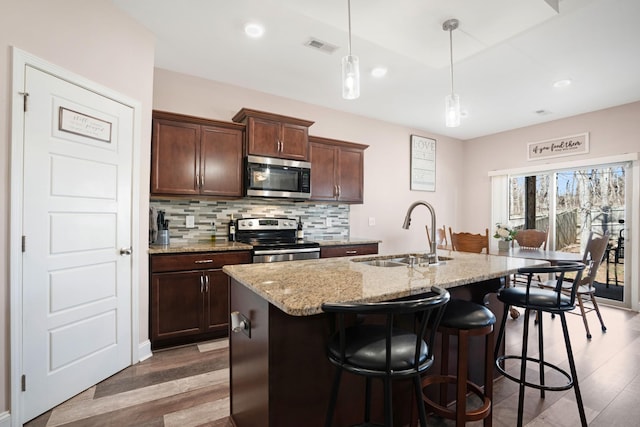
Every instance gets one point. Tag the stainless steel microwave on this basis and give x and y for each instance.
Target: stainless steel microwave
(272, 177)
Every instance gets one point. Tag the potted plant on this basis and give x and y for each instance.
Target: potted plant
(506, 234)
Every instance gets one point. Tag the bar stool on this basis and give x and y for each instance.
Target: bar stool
(384, 351)
(464, 319)
(553, 301)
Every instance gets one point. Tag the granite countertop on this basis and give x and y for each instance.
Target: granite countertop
(299, 288)
(350, 241)
(204, 246)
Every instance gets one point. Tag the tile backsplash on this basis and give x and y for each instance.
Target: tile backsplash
(205, 212)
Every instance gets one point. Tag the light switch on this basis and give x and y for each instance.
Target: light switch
(190, 221)
(372, 221)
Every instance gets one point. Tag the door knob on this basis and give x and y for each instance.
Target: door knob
(125, 251)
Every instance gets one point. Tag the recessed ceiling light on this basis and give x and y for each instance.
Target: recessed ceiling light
(254, 30)
(562, 83)
(379, 72)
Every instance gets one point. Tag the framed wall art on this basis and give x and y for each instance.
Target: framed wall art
(423, 163)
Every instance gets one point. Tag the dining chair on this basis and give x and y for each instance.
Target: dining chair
(532, 239)
(469, 242)
(441, 237)
(592, 257)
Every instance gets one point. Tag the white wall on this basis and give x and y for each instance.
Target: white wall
(612, 131)
(94, 40)
(387, 195)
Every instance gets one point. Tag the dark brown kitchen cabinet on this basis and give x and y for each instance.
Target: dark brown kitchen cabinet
(192, 156)
(273, 135)
(189, 296)
(337, 170)
(348, 250)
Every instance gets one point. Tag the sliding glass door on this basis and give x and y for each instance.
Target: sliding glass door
(571, 203)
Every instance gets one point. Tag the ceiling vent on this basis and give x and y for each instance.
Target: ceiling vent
(320, 45)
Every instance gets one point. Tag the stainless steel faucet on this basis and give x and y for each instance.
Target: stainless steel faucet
(432, 256)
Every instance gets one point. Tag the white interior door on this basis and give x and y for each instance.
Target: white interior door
(76, 282)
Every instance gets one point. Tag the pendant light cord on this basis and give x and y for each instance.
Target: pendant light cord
(451, 56)
(349, 15)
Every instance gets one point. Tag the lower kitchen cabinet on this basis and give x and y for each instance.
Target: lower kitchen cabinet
(189, 296)
(348, 250)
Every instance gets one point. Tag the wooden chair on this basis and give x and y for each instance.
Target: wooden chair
(441, 238)
(592, 257)
(468, 242)
(532, 239)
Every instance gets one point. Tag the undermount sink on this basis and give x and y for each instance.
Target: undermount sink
(383, 263)
(402, 261)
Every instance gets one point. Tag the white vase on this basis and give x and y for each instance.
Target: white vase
(503, 245)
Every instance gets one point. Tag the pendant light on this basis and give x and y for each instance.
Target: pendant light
(452, 102)
(350, 69)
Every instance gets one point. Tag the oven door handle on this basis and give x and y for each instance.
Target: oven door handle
(285, 251)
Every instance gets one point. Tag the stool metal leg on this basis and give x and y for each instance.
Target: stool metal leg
(388, 406)
(541, 352)
(523, 365)
(574, 374)
(367, 400)
(334, 397)
(422, 413)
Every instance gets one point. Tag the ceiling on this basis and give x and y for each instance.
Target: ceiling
(507, 55)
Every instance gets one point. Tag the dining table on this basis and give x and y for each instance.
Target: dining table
(553, 257)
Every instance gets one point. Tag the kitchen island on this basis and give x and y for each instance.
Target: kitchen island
(280, 375)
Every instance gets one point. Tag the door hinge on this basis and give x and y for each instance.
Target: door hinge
(24, 382)
(24, 243)
(25, 95)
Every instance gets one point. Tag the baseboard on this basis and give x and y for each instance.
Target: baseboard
(144, 351)
(5, 419)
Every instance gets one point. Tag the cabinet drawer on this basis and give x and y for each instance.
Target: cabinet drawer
(348, 250)
(198, 261)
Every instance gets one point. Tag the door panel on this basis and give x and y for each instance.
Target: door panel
(76, 286)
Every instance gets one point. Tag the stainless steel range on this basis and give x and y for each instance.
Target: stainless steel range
(274, 239)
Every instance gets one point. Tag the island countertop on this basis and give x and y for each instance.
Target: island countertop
(299, 288)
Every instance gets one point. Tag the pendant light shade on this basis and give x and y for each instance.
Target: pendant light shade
(350, 68)
(350, 77)
(452, 101)
(452, 110)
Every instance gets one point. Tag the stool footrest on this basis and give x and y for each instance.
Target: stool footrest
(470, 415)
(535, 385)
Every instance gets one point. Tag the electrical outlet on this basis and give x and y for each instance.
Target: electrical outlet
(190, 221)
(372, 221)
(327, 221)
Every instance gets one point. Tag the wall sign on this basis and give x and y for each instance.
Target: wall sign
(84, 125)
(423, 163)
(565, 146)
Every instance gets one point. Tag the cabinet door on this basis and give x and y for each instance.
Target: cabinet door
(295, 143)
(176, 304)
(350, 175)
(221, 162)
(217, 301)
(323, 171)
(263, 137)
(175, 154)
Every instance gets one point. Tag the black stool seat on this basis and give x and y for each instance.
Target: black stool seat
(461, 314)
(541, 300)
(366, 348)
(463, 319)
(383, 350)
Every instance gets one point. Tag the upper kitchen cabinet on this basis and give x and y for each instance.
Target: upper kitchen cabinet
(273, 135)
(337, 170)
(192, 156)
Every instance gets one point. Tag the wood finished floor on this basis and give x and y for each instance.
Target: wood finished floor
(189, 386)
